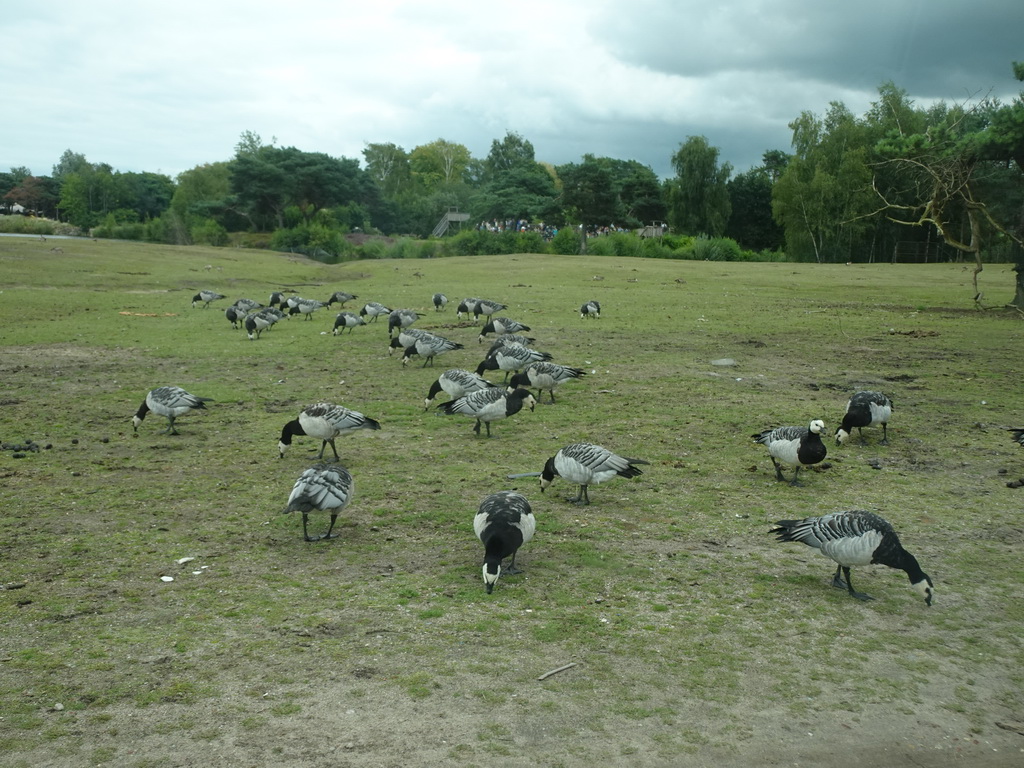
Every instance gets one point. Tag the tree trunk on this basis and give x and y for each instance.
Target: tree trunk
(1018, 298)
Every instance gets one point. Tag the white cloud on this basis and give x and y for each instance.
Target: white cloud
(164, 88)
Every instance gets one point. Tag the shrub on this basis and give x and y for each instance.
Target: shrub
(566, 242)
(208, 232)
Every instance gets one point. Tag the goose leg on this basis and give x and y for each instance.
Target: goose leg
(331, 528)
(837, 580)
(796, 475)
(333, 448)
(170, 426)
(885, 434)
(512, 566)
(851, 590)
(778, 469)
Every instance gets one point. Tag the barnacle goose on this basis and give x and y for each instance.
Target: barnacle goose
(374, 310)
(429, 346)
(276, 299)
(247, 305)
(545, 375)
(487, 405)
(501, 326)
(306, 307)
(852, 538)
(591, 309)
(206, 297)
(865, 409)
(511, 357)
(235, 315)
(1018, 434)
(440, 301)
(456, 382)
(503, 524)
(587, 464)
(255, 325)
(405, 338)
(341, 297)
(793, 447)
(325, 421)
(466, 307)
(347, 320)
(510, 338)
(401, 318)
(321, 488)
(171, 402)
(487, 307)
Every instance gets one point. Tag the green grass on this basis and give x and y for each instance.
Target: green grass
(682, 614)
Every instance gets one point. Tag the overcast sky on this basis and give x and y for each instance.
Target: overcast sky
(164, 87)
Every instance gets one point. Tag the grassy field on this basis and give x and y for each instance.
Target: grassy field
(693, 633)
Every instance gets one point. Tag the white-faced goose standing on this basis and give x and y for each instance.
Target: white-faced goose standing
(456, 382)
(502, 326)
(586, 464)
(347, 320)
(466, 307)
(511, 357)
(306, 307)
(545, 375)
(856, 537)
(321, 488)
(487, 308)
(487, 405)
(795, 447)
(247, 305)
(503, 524)
(341, 297)
(325, 421)
(429, 346)
(373, 310)
(401, 318)
(206, 297)
(171, 402)
(865, 409)
(591, 309)
(440, 301)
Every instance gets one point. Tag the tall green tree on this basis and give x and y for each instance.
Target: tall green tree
(388, 165)
(751, 223)
(698, 198)
(513, 185)
(824, 193)
(439, 164)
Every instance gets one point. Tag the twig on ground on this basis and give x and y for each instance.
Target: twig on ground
(546, 675)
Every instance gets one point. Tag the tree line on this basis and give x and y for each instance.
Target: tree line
(898, 182)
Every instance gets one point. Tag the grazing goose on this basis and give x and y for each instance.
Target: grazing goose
(503, 524)
(856, 538)
(429, 346)
(247, 305)
(171, 402)
(545, 375)
(486, 307)
(487, 405)
(321, 488)
(587, 464)
(591, 309)
(1018, 434)
(865, 409)
(306, 307)
(405, 338)
(510, 338)
(399, 319)
(325, 421)
(440, 301)
(456, 382)
(257, 322)
(793, 447)
(502, 326)
(466, 307)
(373, 310)
(347, 320)
(341, 297)
(235, 316)
(206, 297)
(276, 299)
(511, 357)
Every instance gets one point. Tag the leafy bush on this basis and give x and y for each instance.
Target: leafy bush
(208, 232)
(566, 242)
(26, 225)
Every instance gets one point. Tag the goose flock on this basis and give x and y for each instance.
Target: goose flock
(505, 520)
